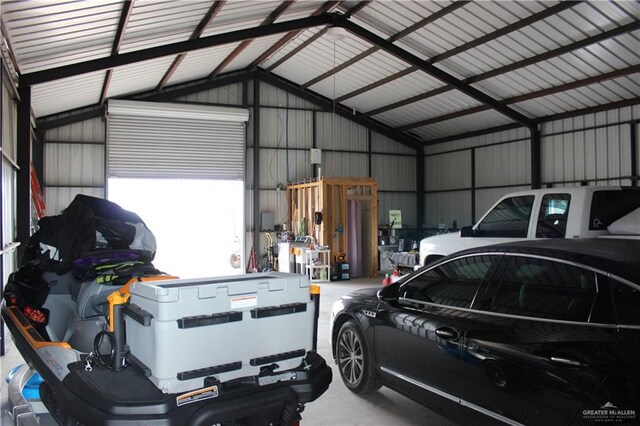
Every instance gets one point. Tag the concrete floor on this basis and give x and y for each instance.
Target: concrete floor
(338, 406)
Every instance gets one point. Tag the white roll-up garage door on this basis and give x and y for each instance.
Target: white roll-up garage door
(169, 140)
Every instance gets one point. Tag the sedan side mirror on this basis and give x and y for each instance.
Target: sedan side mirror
(389, 293)
(467, 231)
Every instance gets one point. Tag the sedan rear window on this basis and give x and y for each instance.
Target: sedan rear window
(541, 288)
(627, 302)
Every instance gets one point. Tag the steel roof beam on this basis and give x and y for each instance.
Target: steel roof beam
(208, 17)
(526, 97)
(168, 94)
(512, 67)
(437, 73)
(127, 6)
(289, 36)
(397, 36)
(298, 49)
(472, 134)
(244, 44)
(591, 110)
(173, 49)
(328, 106)
(183, 89)
(357, 8)
(314, 37)
(550, 11)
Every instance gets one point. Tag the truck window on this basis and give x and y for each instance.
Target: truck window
(509, 219)
(552, 220)
(609, 206)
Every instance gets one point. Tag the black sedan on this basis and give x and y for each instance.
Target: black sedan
(534, 333)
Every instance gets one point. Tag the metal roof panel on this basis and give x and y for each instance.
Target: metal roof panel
(318, 58)
(470, 123)
(596, 94)
(64, 33)
(127, 79)
(255, 49)
(433, 107)
(395, 91)
(372, 68)
(200, 63)
(65, 94)
(154, 23)
(294, 43)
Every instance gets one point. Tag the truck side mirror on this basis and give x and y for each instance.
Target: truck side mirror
(467, 231)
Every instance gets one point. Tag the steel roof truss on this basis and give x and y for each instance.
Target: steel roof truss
(127, 7)
(243, 45)
(173, 49)
(438, 73)
(289, 36)
(528, 96)
(208, 17)
(433, 17)
(511, 67)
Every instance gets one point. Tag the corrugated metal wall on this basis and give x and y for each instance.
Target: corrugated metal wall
(353, 151)
(8, 173)
(74, 163)
(227, 95)
(593, 149)
(463, 178)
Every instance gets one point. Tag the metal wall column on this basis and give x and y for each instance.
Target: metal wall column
(2, 345)
(473, 186)
(23, 158)
(634, 153)
(256, 165)
(369, 154)
(536, 172)
(420, 187)
(314, 143)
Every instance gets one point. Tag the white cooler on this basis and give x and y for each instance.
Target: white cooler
(225, 327)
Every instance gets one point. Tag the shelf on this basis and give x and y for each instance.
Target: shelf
(317, 263)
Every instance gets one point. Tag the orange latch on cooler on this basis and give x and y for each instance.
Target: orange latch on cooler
(122, 295)
(118, 297)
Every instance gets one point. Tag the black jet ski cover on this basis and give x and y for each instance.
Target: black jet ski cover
(86, 225)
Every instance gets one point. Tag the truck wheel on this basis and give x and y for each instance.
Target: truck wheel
(354, 360)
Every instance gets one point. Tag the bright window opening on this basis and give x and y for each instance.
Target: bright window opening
(198, 224)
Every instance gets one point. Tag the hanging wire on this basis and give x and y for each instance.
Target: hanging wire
(333, 117)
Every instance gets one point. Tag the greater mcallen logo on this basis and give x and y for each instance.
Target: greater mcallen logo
(609, 413)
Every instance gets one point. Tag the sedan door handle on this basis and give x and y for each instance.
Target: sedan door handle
(447, 333)
(567, 362)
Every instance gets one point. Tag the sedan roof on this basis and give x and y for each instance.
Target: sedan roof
(618, 256)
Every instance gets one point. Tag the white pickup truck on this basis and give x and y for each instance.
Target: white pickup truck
(580, 212)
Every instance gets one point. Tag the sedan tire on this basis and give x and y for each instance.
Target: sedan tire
(355, 363)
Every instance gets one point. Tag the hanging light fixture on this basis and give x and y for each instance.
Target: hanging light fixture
(336, 33)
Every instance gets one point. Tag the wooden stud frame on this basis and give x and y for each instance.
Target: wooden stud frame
(329, 196)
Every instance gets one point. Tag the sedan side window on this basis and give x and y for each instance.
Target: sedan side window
(509, 219)
(454, 283)
(627, 302)
(541, 288)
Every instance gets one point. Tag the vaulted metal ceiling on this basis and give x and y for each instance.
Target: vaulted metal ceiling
(423, 70)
